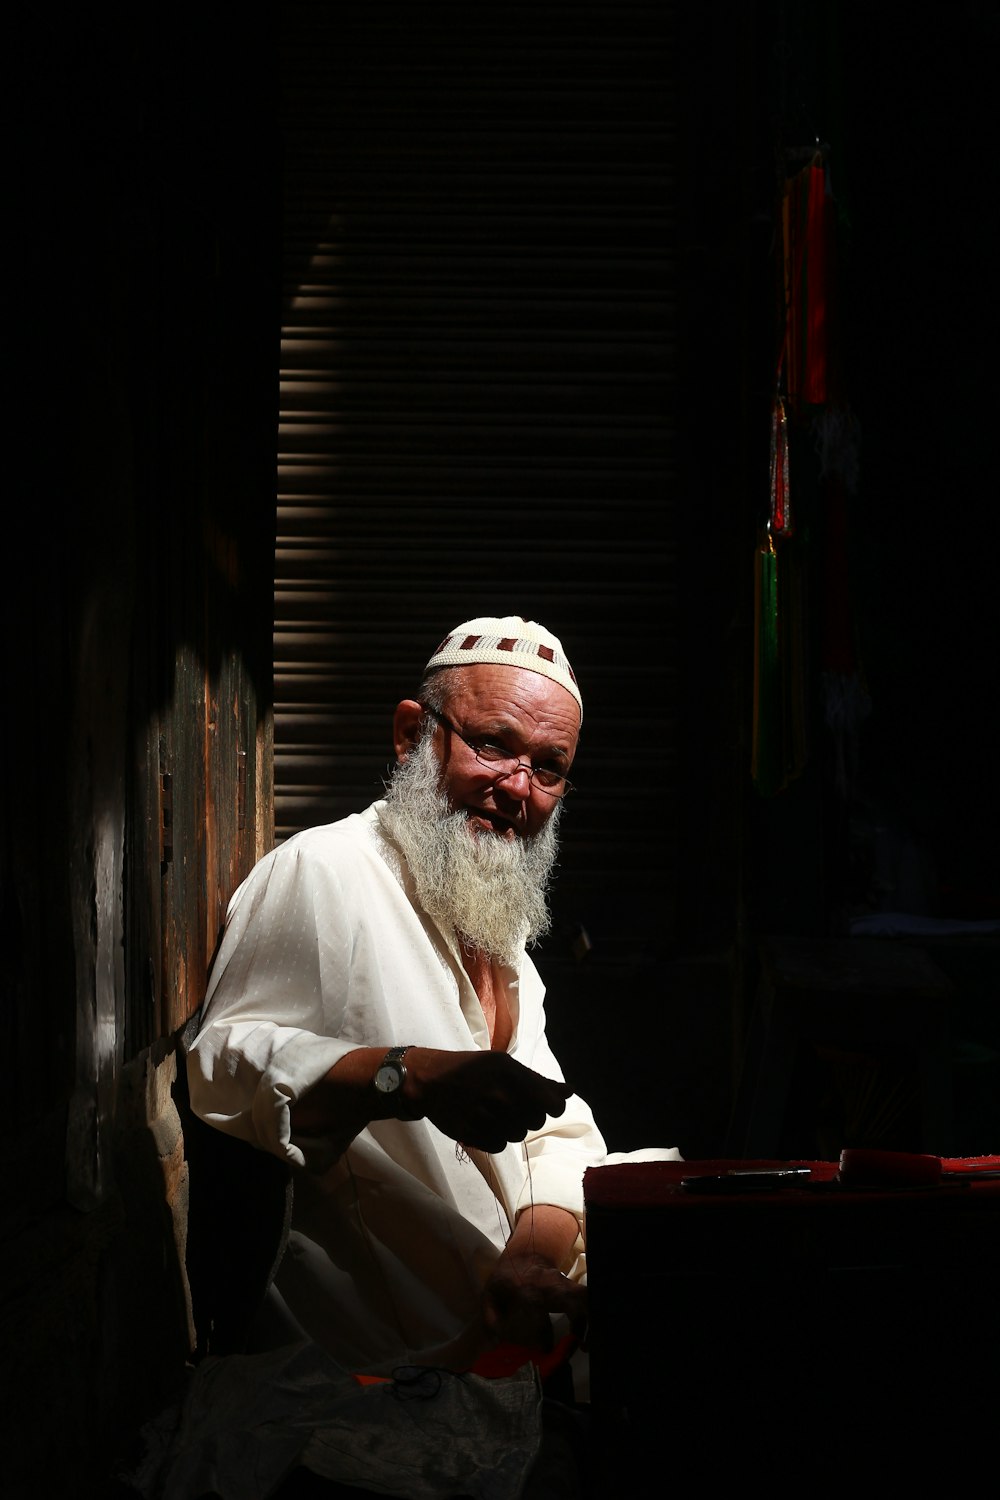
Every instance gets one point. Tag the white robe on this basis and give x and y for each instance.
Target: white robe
(326, 949)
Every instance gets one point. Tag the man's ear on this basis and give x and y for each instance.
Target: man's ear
(406, 727)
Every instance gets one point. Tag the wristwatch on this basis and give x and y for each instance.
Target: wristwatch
(390, 1073)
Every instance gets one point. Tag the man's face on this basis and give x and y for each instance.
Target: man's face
(480, 846)
(528, 717)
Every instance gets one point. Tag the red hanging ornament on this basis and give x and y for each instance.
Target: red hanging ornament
(807, 220)
(780, 515)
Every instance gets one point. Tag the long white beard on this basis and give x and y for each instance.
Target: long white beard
(492, 891)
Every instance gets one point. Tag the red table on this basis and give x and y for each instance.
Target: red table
(767, 1329)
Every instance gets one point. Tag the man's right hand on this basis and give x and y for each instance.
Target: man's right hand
(482, 1099)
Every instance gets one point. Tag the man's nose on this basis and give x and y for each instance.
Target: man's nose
(517, 782)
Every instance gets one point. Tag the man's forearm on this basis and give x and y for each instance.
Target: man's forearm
(483, 1099)
(546, 1231)
(343, 1102)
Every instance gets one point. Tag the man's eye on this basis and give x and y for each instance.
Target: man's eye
(490, 750)
(549, 775)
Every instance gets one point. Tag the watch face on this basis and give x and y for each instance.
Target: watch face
(388, 1078)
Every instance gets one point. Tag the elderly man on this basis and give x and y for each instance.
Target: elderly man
(373, 1017)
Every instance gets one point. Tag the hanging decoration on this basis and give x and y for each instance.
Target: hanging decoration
(806, 218)
(779, 738)
(802, 383)
(807, 400)
(780, 516)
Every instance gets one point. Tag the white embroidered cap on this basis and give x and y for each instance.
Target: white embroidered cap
(507, 642)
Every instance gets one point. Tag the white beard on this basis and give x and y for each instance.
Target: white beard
(492, 891)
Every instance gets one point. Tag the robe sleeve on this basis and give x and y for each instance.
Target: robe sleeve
(274, 1006)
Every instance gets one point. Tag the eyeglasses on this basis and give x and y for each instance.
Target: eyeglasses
(495, 758)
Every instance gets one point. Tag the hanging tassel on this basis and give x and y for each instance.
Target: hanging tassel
(779, 736)
(806, 220)
(781, 499)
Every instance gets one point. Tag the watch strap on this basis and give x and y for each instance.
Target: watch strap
(393, 1060)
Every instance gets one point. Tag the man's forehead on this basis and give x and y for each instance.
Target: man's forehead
(515, 694)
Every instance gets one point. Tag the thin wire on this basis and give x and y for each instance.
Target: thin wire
(506, 1230)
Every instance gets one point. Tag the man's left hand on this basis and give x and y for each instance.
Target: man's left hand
(520, 1295)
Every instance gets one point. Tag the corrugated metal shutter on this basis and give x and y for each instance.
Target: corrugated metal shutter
(478, 361)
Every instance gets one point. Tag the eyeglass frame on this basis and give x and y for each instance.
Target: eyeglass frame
(519, 765)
